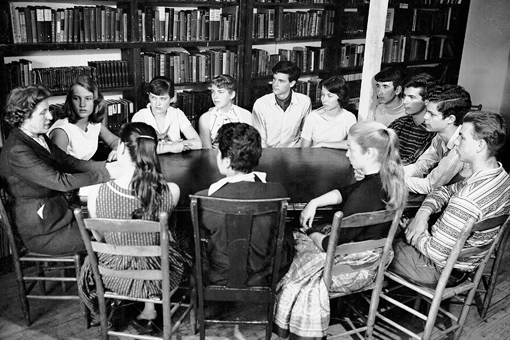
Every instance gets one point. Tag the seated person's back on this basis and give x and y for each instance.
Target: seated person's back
(239, 151)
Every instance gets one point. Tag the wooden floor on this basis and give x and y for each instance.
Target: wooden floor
(63, 319)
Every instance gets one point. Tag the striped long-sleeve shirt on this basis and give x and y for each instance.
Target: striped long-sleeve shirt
(414, 139)
(484, 195)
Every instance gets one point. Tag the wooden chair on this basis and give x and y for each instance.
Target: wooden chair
(435, 296)
(133, 226)
(475, 107)
(239, 217)
(489, 279)
(56, 272)
(373, 219)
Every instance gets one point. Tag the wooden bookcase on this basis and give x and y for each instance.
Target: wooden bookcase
(344, 34)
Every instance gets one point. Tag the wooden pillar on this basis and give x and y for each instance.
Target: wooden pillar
(373, 55)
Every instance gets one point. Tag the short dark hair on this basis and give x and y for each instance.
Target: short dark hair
(161, 85)
(420, 81)
(453, 100)
(22, 101)
(225, 81)
(338, 86)
(100, 106)
(490, 127)
(289, 68)
(242, 144)
(393, 74)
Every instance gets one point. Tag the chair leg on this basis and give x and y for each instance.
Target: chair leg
(193, 312)
(22, 292)
(85, 311)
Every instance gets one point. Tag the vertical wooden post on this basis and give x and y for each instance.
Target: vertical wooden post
(373, 55)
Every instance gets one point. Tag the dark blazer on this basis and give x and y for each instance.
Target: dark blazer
(37, 181)
(262, 236)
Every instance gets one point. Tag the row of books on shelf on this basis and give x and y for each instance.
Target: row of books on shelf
(438, 2)
(58, 79)
(118, 112)
(418, 19)
(354, 21)
(206, 24)
(413, 48)
(307, 58)
(183, 66)
(78, 24)
(193, 104)
(297, 1)
(110, 73)
(352, 55)
(273, 23)
(106, 73)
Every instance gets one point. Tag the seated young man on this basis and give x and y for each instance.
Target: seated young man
(414, 138)
(484, 195)
(388, 86)
(279, 116)
(239, 151)
(440, 164)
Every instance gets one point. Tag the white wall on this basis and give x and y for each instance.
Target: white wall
(485, 65)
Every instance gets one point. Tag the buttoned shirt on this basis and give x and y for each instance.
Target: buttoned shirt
(217, 119)
(439, 164)
(175, 122)
(277, 128)
(484, 195)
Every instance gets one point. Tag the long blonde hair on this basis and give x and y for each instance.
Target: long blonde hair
(377, 136)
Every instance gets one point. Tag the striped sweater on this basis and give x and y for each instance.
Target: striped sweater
(484, 195)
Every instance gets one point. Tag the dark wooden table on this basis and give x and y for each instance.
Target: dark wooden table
(305, 173)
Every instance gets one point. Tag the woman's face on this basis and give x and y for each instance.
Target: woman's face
(329, 100)
(357, 157)
(222, 98)
(40, 120)
(83, 102)
(160, 104)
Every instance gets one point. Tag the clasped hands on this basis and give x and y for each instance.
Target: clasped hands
(415, 227)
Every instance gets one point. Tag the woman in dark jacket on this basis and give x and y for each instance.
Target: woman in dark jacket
(37, 175)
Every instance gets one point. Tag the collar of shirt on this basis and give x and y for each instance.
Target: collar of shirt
(450, 145)
(483, 174)
(38, 138)
(250, 177)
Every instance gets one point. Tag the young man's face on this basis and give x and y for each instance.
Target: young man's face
(433, 119)
(282, 85)
(222, 98)
(386, 92)
(413, 101)
(467, 145)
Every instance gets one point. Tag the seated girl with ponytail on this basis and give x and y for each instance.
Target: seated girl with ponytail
(302, 305)
(140, 192)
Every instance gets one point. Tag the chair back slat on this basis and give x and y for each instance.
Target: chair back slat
(122, 226)
(368, 219)
(358, 247)
(132, 274)
(126, 250)
(238, 239)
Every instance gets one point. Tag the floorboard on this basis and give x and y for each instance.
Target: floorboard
(63, 319)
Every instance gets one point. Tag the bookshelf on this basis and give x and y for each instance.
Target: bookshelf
(192, 41)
